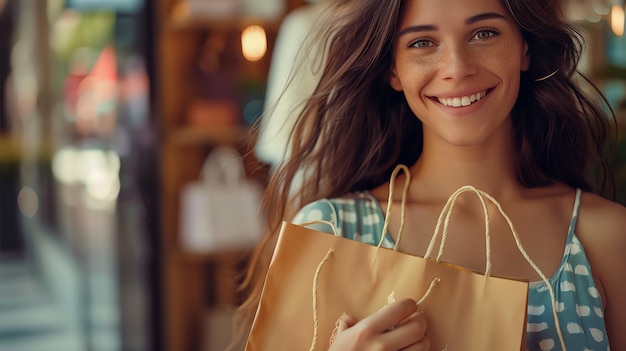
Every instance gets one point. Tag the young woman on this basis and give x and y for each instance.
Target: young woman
(466, 92)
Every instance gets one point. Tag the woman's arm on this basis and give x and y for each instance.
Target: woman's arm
(602, 229)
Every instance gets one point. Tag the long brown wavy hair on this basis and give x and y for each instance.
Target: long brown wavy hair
(355, 128)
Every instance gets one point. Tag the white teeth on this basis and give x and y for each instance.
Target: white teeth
(462, 101)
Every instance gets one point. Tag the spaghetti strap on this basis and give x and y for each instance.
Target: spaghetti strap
(572, 225)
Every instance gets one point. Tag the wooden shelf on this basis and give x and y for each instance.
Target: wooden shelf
(194, 281)
(202, 258)
(224, 24)
(209, 135)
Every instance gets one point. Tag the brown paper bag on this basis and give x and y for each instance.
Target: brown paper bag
(315, 277)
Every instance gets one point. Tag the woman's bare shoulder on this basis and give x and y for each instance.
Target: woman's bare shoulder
(601, 228)
(601, 224)
(601, 218)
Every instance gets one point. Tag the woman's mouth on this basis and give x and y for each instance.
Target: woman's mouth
(462, 101)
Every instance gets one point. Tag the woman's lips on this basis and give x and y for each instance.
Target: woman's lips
(461, 101)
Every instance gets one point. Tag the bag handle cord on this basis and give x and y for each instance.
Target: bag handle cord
(444, 217)
(482, 195)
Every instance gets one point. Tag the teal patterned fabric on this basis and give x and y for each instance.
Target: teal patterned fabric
(358, 216)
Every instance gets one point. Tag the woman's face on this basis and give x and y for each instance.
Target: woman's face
(458, 63)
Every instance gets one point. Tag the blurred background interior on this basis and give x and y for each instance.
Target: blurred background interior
(109, 110)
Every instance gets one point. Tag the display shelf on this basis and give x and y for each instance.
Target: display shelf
(228, 23)
(208, 257)
(208, 135)
(193, 282)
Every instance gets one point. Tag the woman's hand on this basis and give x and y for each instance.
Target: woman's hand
(398, 326)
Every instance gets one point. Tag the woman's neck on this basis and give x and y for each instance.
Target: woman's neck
(443, 168)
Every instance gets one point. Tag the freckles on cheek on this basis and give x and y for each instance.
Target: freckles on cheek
(419, 68)
(502, 59)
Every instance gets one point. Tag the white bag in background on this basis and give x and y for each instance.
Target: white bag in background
(221, 211)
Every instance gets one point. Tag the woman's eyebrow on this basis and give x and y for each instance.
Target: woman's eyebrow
(415, 29)
(485, 16)
(433, 28)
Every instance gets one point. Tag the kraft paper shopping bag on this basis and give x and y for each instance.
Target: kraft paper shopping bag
(315, 277)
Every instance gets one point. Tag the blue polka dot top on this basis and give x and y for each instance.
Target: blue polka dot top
(358, 216)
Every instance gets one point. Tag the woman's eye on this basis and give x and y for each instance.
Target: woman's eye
(422, 43)
(484, 34)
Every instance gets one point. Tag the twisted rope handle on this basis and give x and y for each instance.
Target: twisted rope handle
(405, 191)
(481, 194)
(315, 283)
(447, 211)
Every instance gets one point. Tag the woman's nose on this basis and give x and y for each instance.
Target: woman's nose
(458, 62)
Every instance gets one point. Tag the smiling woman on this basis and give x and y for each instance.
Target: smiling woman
(466, 92)
(441, 66)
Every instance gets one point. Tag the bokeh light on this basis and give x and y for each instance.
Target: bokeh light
(253, 43)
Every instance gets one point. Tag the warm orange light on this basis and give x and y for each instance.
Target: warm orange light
(617, 20)
(253, 43)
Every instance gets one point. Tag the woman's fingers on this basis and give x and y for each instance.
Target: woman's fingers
(398, 326)
(346, 322)
(389, 318)
(409, 335)
(422, 345)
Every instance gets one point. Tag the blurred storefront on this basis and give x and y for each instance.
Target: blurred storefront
(604, 62)
(78, 269)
